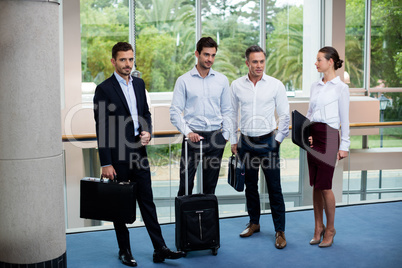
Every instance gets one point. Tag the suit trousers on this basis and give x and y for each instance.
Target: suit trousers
(213, 146)
(256, 152)
(138, 171)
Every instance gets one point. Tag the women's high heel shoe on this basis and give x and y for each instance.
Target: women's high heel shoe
(314, 241)
(325, 245)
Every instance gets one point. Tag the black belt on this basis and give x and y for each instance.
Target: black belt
(258, 138)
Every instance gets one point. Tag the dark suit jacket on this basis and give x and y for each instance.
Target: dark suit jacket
(114, 124)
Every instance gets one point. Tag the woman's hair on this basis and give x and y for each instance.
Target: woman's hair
(331, 53)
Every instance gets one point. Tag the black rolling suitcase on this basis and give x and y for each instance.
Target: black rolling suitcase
(197, 218)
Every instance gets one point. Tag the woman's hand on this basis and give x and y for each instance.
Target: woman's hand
(310, 139)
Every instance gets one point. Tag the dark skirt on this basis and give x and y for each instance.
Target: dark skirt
(322, 157)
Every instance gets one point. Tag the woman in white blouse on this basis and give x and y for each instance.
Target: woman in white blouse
(328, 110)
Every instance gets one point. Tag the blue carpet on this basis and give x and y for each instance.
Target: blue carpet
(367, 236)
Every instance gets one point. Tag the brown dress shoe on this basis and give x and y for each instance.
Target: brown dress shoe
(250, 230)
(280, 241)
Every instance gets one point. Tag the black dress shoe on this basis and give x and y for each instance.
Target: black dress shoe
(165, 253)
(126, 258)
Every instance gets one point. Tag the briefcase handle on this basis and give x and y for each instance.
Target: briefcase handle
(114, 179)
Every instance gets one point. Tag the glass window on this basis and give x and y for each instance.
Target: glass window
(165, 44)
(386, 45)
(165, 41)
(354, 42)
(386, 54)
(234, 25)
(103, 23)
(393, 109)
(284, 28)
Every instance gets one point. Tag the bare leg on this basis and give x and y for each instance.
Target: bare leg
(318, 204)
(329, 201)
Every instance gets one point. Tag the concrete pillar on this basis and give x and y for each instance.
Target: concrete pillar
(32, 215)
(311, 44)
(335, 27)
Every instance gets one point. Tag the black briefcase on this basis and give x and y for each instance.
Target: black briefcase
(300, 130)
(197, 219)
(236, 173)
(107, 200)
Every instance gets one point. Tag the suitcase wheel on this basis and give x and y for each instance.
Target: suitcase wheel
(214, 251)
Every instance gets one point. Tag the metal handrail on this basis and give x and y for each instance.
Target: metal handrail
(92, 136)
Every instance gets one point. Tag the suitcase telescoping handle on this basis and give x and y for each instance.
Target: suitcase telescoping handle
(186, 166)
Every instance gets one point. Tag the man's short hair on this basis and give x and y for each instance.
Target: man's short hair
(121, 46)
(254, 49)
(206, 42)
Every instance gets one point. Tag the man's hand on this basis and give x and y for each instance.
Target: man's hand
(342, 154)
(194, 137)
(145, 138)
(234, 148)
(108, 172)
(310, 139)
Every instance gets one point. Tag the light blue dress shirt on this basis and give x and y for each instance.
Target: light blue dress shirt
(128, 90)
(201, 104)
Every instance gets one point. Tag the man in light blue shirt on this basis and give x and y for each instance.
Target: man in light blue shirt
(201, 109)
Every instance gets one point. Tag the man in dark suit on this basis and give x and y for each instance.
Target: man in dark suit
(123, 128)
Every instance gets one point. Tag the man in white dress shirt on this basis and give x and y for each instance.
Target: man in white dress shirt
(201, 109)
(257, 96)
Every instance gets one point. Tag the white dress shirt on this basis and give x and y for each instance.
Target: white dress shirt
(329, 103)
(204, 102)
(257, 105)
(128, 90)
